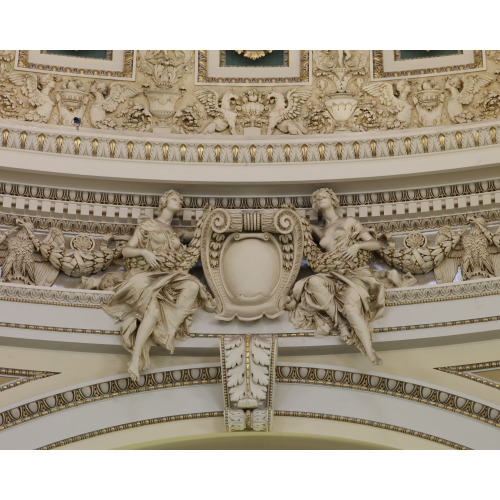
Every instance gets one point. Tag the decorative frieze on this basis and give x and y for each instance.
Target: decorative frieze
(363, 146)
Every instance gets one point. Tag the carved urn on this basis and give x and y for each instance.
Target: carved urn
(429, 105)
(162, 104)
(72, 103)
(341, 105)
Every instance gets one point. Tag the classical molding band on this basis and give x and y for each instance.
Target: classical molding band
(106, 390)
(274, 149)
(371, 423)
(440, 293)
(54, 296)
(105, 213)
(104, 198)
(131, 425)
(27, 376)
(389, 387)
(62, 329)
(400, 328)
(465, 371)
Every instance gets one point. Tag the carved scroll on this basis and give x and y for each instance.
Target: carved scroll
(251, 259)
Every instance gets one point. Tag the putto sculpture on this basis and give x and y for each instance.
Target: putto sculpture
(343, 293)
(157, 298)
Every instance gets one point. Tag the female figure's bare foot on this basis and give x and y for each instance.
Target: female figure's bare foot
(374, 358)
(170, 344)
(133, 369)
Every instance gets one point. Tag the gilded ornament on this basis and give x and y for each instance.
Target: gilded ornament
(95, 144)
(408, 145)
(235, 150)
(59, 142)
(493, 133)
(304, 152)
(373, 146)
(41, 140)
(355, 146)
(165, 148)
(287, 149)
(458, 136)
(425, 143)
(321, 149)
(476, 138)
(217, 150)
(147, 148)
(252, 149)
(442, 142)
(183, 150)
(390, 145)
(253, 54)
(23, 136)
(339, 150)
(5, 136)
(77, 142)
(270, 153)
(130, 149)
(200, 152)
(112, 146)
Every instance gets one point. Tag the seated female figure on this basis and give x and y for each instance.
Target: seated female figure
(157, 298)
(346, 296)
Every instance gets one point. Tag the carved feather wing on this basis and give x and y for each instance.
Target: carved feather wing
(118, 93)
(28, 84)
(3, 252)
(210, 100)
(383, 90)
(495, 259)
(295, 100)
(472, 85)
(447, 270)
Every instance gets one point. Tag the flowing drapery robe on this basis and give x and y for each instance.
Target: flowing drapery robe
(349, 285)
(143, 290)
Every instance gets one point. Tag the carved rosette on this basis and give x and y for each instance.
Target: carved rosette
(251, 259)
(248, 372)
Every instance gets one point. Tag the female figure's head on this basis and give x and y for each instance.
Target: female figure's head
(172, 200)
(323, 198)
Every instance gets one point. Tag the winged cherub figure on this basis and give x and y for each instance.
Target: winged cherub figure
(223, 116)
(38, 92)
(283, 115)
(115, 93)
(462, 90)
(397, 103)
